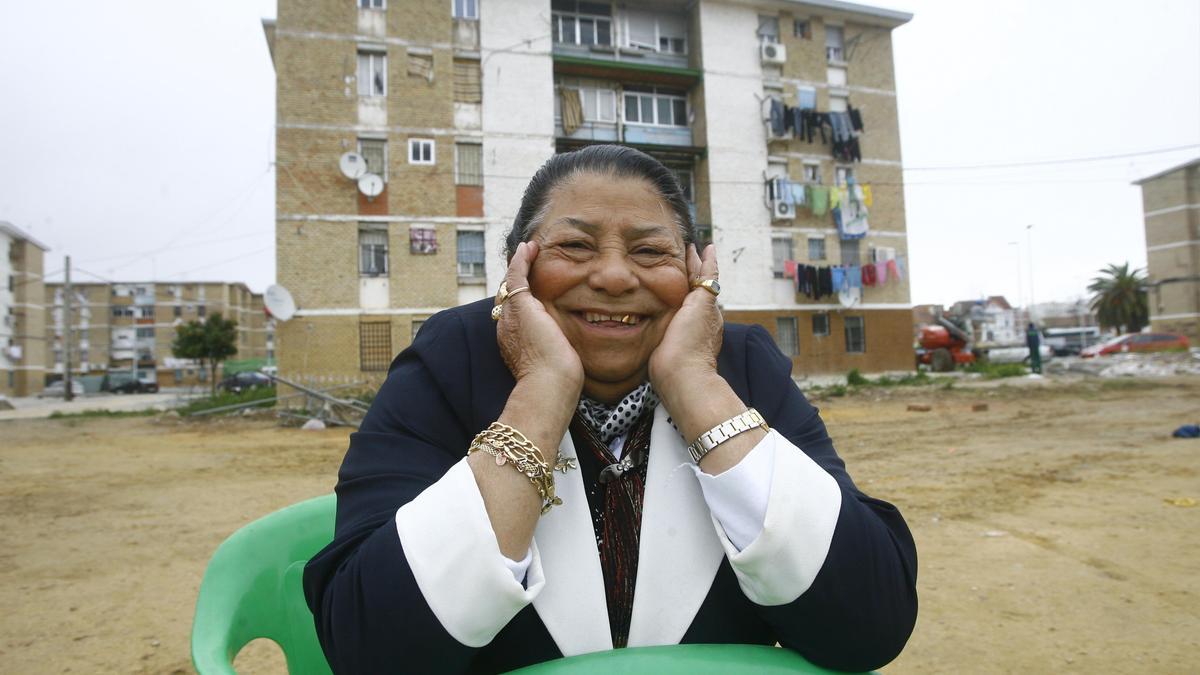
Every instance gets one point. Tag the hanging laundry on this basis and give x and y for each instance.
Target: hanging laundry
(853, 222)
(854, 276)
(775, 115)
(837, 278)
(900, 268)
(867, 199)
(881, 272)
(835, 197)
(818, 199)
(868, 275)
(798, 193)
(856, 122)
(789, 269)
(572, 111)
(826, 278)
(783, 191)
(893, 269)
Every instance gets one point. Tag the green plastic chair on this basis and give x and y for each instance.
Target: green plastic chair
(252, 589)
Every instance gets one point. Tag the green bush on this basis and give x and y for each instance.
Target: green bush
(230, 398)
(58, 414)
(995, 371)
(856, 379)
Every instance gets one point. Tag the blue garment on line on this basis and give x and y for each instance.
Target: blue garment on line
(839, 277)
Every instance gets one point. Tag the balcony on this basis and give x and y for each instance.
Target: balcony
(651, 118)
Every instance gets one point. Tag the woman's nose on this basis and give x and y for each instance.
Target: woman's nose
(612, 273)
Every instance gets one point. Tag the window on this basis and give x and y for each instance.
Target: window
(806, 98)
(833, 43)
(684, 176)
(781, 250)
(768, 29)
(468, 164)
(178, 375)
(422, 240)
(812, 173)
(375, 152)
(656, 107)
(843, 175)
(581, 23)
(201, 311)
(372, 74)
(802, 29)
(372, 251)
(820, 324)
(838, 103)
(145, 332)
(470, 254)
(786, 335)
(417, 324)
(371, 4)
(816, 248)
(467, 87)
(850, 253)
(856, 335)
(178, 311)
(466, 9)
(599, 102)
(122, 310)
(374, 345)
(653, 32)
(420, 151)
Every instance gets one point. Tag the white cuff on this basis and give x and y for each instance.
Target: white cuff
(452, 550)
(802, 512)
(519, 568)
(737, 497)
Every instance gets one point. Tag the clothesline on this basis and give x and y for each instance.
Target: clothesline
(817, 282)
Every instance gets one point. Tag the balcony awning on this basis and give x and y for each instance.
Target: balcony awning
(627, 71)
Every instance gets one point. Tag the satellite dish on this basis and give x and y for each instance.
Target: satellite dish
(849, 297)
(353, 165)
(370, 185)
(279, 302)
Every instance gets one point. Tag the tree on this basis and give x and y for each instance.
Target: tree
(1119, 299)
(210, 342)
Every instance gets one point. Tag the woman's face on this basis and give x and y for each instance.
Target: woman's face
(611, 272)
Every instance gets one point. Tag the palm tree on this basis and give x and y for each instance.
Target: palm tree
(1119, 299)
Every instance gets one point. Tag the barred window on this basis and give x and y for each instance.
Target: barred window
(375, 152)
(786, 335)
(422, 241)
(856, 335)
(781, 251)
(374, 345)
(850, 252)
(470, 254)
(816, 248)
(372, 252)
(468, 164)
(467, 87)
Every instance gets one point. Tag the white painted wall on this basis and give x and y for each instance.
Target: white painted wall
(6, 299)
(518, 112)
(737, 154)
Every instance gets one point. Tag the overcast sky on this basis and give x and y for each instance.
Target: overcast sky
(136, 136)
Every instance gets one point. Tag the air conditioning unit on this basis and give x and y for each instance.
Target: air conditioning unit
(773, 53)
(783, 210)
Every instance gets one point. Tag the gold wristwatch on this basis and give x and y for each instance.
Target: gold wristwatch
(725, 431)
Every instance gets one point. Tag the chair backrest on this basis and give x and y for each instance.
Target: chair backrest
(252, 589)
(690, 659)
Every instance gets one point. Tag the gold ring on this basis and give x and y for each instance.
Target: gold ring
(496, 312)
(710, 285)
(514, 292)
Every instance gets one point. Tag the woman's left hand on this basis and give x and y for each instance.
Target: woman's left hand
(687, 355)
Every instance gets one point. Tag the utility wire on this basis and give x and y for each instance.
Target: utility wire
(1044, 162)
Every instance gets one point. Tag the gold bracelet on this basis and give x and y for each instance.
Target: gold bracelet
(509, 446)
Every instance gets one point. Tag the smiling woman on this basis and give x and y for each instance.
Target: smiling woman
(514, 494)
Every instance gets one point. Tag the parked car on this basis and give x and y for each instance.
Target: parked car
(1138, 342)
(58, 389)
(240, 382)
(119, 382)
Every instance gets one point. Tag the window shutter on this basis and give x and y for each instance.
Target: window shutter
(467, 85)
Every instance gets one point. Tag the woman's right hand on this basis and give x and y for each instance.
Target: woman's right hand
(531, 343)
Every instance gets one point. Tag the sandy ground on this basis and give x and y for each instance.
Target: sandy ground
(1045, 542)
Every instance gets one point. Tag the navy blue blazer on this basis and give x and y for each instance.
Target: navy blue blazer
(450, 384)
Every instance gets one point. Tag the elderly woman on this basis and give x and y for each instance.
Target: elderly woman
(595, 460)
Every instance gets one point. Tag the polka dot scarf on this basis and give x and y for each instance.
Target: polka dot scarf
(609, 422)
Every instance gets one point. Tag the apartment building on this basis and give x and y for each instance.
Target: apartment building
(1171, 208)
(117, 325)
(454, 104)
(22, 344)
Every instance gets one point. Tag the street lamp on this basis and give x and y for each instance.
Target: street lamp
(1029, 243)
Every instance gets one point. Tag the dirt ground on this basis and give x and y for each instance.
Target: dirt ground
(1045, 540)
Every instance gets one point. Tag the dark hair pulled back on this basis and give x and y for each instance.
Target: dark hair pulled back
(613, 160)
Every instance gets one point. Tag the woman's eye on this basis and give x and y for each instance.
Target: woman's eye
(646, 250)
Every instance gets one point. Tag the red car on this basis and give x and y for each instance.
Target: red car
(1138, 342)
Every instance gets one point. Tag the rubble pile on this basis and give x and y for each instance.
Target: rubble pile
(1161, 364)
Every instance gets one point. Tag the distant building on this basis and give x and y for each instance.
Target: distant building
(991, 321)
(454, 105)
(1171, 209)
(22, 339)
(925, 315)
(1072, 314)
(115, 325)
